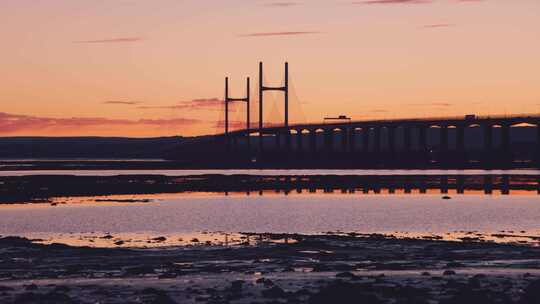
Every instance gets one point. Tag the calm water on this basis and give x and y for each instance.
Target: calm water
(269, 172)
(305, 213)
(191, 213)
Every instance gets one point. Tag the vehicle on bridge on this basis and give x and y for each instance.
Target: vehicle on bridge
(338, 119)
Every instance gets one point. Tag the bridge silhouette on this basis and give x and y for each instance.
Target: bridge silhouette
(419, 141)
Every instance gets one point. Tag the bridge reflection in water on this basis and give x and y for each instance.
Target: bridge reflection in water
(444, 184)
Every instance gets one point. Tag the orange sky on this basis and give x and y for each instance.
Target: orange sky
(156, 68)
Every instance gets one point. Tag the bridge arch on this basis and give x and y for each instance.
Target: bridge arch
(524, 124)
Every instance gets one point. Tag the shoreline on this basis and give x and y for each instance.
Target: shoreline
(163, 164)
(42, 188)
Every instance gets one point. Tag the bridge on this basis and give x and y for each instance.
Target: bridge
(406, 139)
(369, 133)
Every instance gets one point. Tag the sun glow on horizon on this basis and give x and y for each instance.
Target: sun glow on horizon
(114, 69)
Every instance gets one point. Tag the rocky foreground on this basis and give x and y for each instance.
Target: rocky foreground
(306, 269)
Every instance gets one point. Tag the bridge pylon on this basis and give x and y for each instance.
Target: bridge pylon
(262, 89)
(229, 100)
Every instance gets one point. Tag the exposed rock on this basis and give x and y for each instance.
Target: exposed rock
(345, 275)
(531, 293)
(274, 292)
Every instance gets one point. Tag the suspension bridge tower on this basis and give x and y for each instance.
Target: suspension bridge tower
(262, 89)
(229, 100)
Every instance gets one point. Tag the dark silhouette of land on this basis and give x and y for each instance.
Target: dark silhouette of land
(212, 152)
(85, 147)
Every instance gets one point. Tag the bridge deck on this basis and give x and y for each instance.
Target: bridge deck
(533, 119)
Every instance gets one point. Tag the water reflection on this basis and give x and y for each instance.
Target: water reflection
(265, 172)
(446, 184)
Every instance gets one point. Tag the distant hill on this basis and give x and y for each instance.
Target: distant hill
(87, 147)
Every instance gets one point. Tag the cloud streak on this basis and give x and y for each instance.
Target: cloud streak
(438, 25)
(236, 124)
(282, 4)
(14, 123)
(120, 102)
(433, 104)
(375, 2)
(112, 40)
(271, 34)
(379, 2)
(195, 104)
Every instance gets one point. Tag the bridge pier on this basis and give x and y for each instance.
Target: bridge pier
(377, 139)
(313, 141)
(299, 141)
(488, 137)
(506, 149)
(422, 138)
(288, 143)
(352, 135)
(460, 138)
(344, 139)
(365, 139)
(506, 137)
(407, 144)
(329, 140)
(444, 139)
(392, 139)
(489, 155)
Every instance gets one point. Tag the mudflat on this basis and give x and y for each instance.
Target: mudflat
(273, 268)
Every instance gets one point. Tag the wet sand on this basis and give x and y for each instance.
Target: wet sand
(273, 268)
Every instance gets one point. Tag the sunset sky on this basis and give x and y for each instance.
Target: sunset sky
(156, 68)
